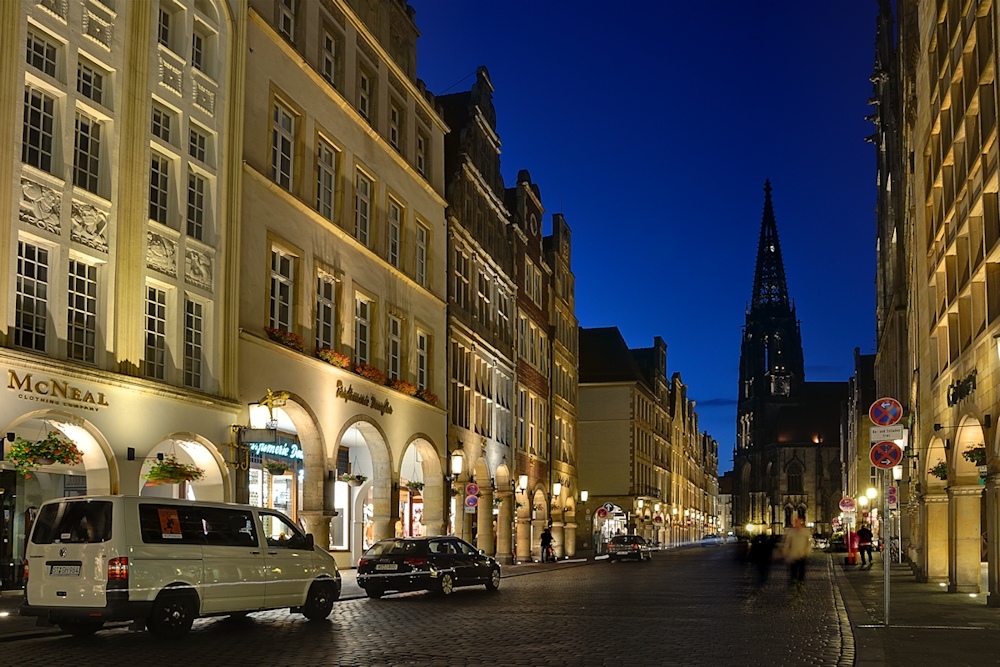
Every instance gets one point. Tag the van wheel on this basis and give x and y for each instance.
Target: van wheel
(79, 627)
(172, 614)
(319, 602)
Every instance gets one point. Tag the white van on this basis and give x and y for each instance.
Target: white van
(161, 563)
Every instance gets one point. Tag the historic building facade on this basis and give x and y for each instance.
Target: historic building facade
(120, 200)
(936, 135)
(787, 460)
(342, 280)
(481, 320)
(642, 459)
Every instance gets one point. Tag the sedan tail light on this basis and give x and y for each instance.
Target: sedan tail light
(26, 572)
(363, 562)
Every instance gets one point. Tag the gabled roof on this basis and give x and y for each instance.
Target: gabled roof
(604, 357)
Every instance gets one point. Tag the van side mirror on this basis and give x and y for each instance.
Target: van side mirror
(310, 542)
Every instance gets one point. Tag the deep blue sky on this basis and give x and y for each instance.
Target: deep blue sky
(653, 129)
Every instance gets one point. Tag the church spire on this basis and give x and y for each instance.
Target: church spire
(769, 287)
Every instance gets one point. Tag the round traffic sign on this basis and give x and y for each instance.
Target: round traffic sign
(602, 513)
(847, 505)
(471, 489)
(471, 501)
(885, 411)
(886, 455)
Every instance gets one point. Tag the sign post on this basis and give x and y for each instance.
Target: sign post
(885, 455)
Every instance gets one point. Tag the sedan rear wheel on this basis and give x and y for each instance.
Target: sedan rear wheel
(446, 584)
(493, 582)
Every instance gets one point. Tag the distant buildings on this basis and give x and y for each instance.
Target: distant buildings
(647, 467)
(787, 460)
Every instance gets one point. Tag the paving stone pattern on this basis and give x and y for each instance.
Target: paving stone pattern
(696, 606)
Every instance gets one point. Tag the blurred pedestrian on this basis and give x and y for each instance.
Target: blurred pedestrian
(547, 552)
(795, 548)
(865, 544)
(761, 555)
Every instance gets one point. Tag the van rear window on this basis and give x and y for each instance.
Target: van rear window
(78, 522)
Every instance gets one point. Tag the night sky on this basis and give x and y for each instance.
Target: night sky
(653, 130)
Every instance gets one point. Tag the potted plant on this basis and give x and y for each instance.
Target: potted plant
(334, 358)
(286, 338)
(172, 471)
(353, 480)
(940, 470)
(415, 487)
(975, 455)
(275, 468)
(53, 448)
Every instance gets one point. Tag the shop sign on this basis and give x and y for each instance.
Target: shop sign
(52, 391)
(285, 451)
(367, 400)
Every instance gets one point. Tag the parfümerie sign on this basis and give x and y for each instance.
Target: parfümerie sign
(52, 391)
(368, 400)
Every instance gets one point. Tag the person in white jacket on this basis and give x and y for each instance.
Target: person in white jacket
(795, 548)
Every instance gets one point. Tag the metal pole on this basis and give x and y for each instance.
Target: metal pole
(886, 552)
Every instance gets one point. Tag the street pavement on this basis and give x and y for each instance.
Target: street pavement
(689, 606)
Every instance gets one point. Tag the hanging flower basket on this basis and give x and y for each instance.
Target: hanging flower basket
(275, 468)
(353, 480)
(415, 486)
(334, 358)
(53, 448)
(940, 470)
(975, 455)
(172, 471)
(286, 338)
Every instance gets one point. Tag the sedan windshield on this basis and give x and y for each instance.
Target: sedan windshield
(393, 548)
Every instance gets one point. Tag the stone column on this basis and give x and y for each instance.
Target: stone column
(964, 538)
(484, 517)
(317, 523)
(504, 520)
(569, 536)
(993, 538)
(523, 540)
(935, 538)
(558, 544)
(384, 515)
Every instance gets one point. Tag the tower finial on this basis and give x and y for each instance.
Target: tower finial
(769, 287)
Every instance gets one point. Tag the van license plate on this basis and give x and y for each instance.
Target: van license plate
(64, 570)
(386, 566)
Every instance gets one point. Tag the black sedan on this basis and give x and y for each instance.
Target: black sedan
(437, 564)
(628, 546)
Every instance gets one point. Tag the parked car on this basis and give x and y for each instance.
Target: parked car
(161, 563)
(711, 541)
(628, 546)
(438, 564)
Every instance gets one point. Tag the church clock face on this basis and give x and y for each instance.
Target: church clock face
(534, 225)
(780, 385)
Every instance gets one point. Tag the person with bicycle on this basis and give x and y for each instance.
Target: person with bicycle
(865, 544)
(548, 554)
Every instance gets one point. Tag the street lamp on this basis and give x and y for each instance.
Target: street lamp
(583, 496)
(522, 482)
(556, 489)
(872, 493)
(863, 501)
(456, 462)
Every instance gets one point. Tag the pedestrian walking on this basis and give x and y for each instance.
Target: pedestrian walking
(795, 548)
(761, 555)
(865, 544)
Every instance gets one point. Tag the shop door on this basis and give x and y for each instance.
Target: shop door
(9, 561)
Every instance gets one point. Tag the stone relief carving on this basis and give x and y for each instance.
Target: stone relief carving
(422, 115)
(171, 76)
(204, 98)
(367, 49)
(334, 12)
(98, 28)
(198, 269)
(161, 254)
(397, 85)
(40, 206)
(57, 7)
(90, 226)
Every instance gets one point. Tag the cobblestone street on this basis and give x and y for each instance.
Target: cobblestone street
(694, 606)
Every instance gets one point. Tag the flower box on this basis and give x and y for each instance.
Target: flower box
(26, 455)
(403, 387)
(334, 358)
(286, 338)
(172, 471)
(370, 372)
(940, 470)
(427, 396)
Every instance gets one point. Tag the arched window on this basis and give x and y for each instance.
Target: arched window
(795, 479)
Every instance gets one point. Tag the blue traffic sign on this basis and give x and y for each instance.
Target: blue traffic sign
(885, 411)
(886, 455)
